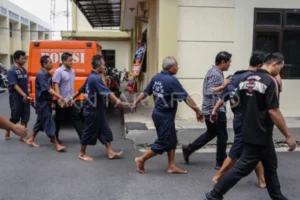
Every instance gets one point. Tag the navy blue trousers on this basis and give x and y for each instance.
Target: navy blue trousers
(237, 147)
(250, 157)
(44, 120)
(217, 129)
(20, 111)
(166, 133)
(95, 127)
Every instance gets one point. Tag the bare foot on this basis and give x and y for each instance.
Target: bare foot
(262, 184)
(7, 136)
(85, 157)
(32, 143)
(215, 180)
(60, 148)
(140, 166)
(23, 140)
(113, 155)
(176, 170)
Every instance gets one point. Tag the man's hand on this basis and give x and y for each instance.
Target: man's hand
(200, 117)
(133, 108)
(61, 102)
(213, 117)
(25, 98)
(69, 102)
(291, 142)
(20, 130)
(121, 104)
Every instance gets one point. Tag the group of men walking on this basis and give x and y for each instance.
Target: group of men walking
(254, 98)
(93, 127)
(253, 95)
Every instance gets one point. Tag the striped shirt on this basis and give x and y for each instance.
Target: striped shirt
(214, 78)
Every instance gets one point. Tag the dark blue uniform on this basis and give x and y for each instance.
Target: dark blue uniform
(95, 124)
(19, 109)
(167, 91)
(228, 92)
(258, 95)
(44, 122)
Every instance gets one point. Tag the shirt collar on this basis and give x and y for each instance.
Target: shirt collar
(263, 70)
(93, 72)
(64, 68)
(165, 72)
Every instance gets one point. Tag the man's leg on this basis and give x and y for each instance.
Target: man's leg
(201, 140)
(269, 161)
(250, 157)
(106, 137)
(235, 151)
(76, 120)
(172, 167)
(59, 114)
(259, 170)
(16, 113)
(50, 128)
(140, 161)
(7, 133)
(222, 137)
(82, 154)
(25, 118)
(37, 127)
(89, 135)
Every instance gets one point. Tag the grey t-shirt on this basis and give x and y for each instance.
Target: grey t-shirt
(65, 78)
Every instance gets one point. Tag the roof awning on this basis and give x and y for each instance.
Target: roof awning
(101, 13)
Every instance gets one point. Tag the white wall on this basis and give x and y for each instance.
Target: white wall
(122, 50)
(201, 35)
(206, 27)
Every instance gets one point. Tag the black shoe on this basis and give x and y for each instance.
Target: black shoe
(186, 154)
(209, 197)
(218, 166)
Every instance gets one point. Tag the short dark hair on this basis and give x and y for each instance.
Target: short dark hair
(273, 57)
(97, 61)
(44, 60)
(222, 56)
(18, 54)
(257, 58)
(65, 56)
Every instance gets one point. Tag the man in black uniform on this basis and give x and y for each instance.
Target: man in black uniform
(258, 96)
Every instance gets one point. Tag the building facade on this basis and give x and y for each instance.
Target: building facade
(17, 28)
(115, 43)
(194, 31)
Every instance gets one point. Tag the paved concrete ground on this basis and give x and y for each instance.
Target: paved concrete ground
(28, 173)
(140, 128)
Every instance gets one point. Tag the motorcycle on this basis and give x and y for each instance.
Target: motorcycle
(113, 83)
(3, 77)
(124, 75)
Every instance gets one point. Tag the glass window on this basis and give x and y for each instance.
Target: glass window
(270, 35)
(268, 18)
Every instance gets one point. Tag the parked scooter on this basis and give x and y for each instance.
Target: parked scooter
(3, 77)
(113, 83)
(124, 75)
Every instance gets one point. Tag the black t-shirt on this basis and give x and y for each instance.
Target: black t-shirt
(258, 94)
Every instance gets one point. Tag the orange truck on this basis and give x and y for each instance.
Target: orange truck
(82, 52)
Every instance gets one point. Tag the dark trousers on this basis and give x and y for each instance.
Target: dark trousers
(219, 129)
(250, 157)
(71, 113)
